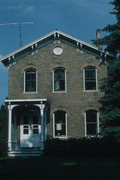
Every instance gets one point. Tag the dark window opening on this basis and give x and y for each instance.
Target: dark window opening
(35, 129)
(90, 78)
(26, 129)
(60, 123)
(59, 79)
(30, 80)
(91, 122)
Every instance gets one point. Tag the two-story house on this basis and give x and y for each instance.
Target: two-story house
(53, 92)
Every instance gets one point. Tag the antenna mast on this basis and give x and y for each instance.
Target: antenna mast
(20, 28)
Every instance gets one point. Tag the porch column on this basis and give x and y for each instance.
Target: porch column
(10, 108)
(9, 126)
(42, 107)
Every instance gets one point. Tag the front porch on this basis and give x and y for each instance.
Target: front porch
(27, 126)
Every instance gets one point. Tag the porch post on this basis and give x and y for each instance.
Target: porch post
(10, 108)
(42, 107)
(9, 126)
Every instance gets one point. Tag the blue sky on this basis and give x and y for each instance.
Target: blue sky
(79, 18)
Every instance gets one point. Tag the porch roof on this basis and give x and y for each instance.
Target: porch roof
(12, 101)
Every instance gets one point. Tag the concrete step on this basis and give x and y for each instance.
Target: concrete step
(26, 153)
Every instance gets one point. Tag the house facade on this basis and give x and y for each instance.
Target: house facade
(53, 92)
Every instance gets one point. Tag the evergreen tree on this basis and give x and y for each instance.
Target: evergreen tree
(3, 130)
(112, 41)
(110, 109)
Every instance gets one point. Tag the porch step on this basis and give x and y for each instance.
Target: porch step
(26, 153)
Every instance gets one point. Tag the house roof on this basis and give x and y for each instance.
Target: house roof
(48, 38)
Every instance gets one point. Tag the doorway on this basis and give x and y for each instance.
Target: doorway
(30, 129)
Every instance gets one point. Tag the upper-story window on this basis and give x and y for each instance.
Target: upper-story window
(90, 78)
(30, 76)
(59, 79)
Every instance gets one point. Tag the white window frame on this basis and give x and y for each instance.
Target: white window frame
(65, 81)
(60, 137)
(98, 123)
(96, 73)
(32, 92)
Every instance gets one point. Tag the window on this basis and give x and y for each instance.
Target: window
(35, 125)
(59, 79)
(90, 78)
(60, 124)
(91, 122)
(25, 125)
(30, 124)
(30, 80)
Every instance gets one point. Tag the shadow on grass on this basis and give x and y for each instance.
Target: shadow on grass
(57, 168)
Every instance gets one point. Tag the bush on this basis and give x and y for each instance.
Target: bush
(3, 145)
(3, 131)
(82, 147)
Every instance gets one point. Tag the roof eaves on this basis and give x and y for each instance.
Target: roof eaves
(26, 46)
(4, 59)
(77, 39)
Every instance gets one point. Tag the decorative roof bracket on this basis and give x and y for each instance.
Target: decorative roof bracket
(79, 47)
(56, 37)
(103, 58)
(34, 48)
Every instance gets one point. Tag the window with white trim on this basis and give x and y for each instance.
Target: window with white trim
(59, 79)
(30, 80)
(91, 123)
(60, 124)
(90, 78)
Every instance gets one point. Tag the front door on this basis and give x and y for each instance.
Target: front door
(30, 130)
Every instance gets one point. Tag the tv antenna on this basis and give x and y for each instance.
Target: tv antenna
(20, 28)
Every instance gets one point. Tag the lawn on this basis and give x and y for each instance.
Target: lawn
(60, 168)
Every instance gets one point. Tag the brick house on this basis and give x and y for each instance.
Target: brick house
(53, 92)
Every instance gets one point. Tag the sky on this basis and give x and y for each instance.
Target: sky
(79, 18)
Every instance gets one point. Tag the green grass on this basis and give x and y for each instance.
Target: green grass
(60, 168)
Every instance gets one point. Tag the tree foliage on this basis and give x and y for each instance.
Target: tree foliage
(110, 109)
(3, 130)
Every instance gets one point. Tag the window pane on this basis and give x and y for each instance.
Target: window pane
(59, 79)
(30, 80)
(60, 123)
(90, 85)
(90, 78)
(91, 116)
(35, 129)
(91, 122)
(25, 129)
(59, 115)
(91, 129)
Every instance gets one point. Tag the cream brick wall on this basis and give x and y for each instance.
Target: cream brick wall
(75, 101)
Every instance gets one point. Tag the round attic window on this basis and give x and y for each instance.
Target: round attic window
(57, 50)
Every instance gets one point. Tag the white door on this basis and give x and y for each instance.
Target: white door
(30, 130)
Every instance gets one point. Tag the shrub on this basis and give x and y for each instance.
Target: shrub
(82, 147)
(3, 130)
